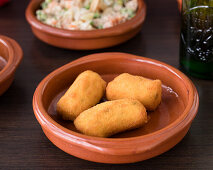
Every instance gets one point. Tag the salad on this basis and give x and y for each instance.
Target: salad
(86, 14)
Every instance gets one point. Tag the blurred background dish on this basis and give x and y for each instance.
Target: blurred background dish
(10, 57)
(167, 126)
(85, 40)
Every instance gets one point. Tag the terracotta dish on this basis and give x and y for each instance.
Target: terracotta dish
(10, 57)
(166, 127)
(85, 40)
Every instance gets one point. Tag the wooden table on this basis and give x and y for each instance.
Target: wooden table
(22, 142)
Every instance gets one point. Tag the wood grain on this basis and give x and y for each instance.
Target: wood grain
(22, 142)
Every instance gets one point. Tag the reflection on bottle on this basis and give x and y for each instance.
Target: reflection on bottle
(196, 40)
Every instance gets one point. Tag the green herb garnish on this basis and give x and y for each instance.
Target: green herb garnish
(41, 15)
(96, 15)
(96, 26)
(87, 6)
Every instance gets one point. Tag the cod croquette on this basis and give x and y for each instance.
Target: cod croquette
(111, 117)
(85, 92)
(147, 91)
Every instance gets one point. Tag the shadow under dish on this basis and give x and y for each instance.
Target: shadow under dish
(167, 112)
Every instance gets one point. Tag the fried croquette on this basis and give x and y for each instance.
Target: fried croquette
(111, 117)
(85, 92)
(147, 91)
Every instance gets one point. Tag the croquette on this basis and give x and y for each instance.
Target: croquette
(111, 117)
(147, 91)
(85, 92)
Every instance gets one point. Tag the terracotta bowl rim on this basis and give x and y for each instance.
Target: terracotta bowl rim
(94, 142)
(15, 55)
(87, 34)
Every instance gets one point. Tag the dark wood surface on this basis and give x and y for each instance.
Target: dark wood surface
(22, 142)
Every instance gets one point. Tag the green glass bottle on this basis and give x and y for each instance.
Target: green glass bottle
(196, 39)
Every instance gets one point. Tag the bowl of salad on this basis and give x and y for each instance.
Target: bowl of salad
(85, 24)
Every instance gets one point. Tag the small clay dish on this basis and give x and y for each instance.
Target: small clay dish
(10, 57)
(168, 124)
(85, 40)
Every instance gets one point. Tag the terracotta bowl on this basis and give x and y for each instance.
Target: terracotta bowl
(10, 57)
(166, 127)
(85, 40)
